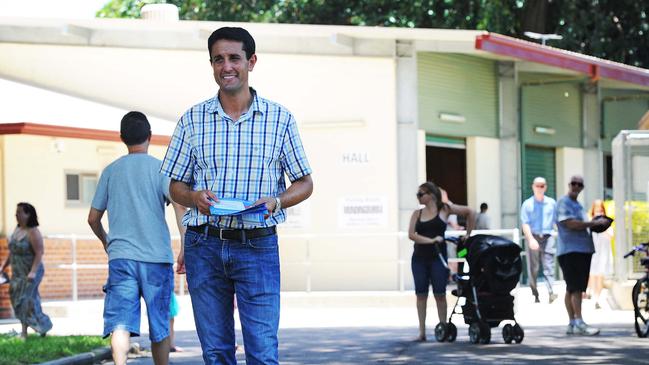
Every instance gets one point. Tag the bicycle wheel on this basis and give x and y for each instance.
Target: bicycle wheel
(640, 297)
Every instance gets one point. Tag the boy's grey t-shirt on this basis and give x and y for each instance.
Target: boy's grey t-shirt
(134, 193)
(571, 240)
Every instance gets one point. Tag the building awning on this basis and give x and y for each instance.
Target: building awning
(37, 111)
(595, 68)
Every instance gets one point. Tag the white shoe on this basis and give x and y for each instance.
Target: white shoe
(585, 330)
(570, 330)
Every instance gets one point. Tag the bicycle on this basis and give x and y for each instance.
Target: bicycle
(640, 293)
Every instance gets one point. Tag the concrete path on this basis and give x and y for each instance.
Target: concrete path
(378, 327)
(393, 345)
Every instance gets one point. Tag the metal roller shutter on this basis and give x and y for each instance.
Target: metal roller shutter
(539, 161)
(460, 85)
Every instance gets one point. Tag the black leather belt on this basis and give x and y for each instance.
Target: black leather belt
(233, 234)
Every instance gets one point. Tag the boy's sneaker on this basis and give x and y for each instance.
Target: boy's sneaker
(585, 330)
(570, 330)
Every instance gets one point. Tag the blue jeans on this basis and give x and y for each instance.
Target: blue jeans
(427, 271)
(127, 281)
(216, 269)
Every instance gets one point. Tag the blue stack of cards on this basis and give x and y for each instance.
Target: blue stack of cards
(243, 210)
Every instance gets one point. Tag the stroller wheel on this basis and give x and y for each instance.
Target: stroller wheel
(441, 331)
(519, 334)
(474, 332)
(485, 333)
(452, 332)
(508, 333)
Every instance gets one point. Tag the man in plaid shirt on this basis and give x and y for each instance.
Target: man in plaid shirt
(235, 145)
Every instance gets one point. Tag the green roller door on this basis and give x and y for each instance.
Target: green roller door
(539, 161)
(460, 86)
(621, 109)
(555, 108)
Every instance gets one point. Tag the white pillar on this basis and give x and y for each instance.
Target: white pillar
(483, 180)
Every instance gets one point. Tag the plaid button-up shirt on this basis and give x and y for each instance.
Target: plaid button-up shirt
(242, 159)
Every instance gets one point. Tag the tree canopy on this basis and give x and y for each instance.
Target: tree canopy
(612, 29)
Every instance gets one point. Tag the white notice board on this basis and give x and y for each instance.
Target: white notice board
(362, 211)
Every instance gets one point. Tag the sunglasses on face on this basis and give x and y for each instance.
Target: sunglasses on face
(577, 183)
(540, 186)
(420, 194)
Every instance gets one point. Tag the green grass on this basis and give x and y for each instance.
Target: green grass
(36, 349)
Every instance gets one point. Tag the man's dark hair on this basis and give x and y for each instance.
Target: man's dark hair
(135, 128)
(483, 207)
(233, 34)
(32, 221)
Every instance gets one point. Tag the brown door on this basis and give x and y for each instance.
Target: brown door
(446, 167)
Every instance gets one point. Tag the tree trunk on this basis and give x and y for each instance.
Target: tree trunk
(534, 16)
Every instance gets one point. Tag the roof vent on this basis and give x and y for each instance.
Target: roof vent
(160, 12)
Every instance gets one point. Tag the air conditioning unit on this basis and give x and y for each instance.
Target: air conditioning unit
(160, 12)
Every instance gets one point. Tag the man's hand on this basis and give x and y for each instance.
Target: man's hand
(270, 203)
(180, 261)
(438, 239)
(533, 244)
(31, 276)
(203, 200)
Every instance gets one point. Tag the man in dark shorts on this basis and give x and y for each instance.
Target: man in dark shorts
(575, 248)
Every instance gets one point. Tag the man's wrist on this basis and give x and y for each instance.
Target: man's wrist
(278, 205)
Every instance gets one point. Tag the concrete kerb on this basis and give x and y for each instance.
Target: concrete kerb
(86, 358)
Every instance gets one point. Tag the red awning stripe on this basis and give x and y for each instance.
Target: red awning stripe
(591, 66)
(71, 132)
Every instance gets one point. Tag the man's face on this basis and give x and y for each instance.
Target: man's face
(539, 187)
(230, 65)
(576, 186)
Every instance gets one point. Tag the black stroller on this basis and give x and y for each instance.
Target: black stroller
(494, 270)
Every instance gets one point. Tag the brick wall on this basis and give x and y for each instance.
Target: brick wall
(5, 303)
(57, 283)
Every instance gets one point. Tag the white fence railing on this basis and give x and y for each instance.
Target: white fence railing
(74, 266)
(402, 260)
(401, 238)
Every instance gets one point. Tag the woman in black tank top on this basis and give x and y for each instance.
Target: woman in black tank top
(427, 228)
(430, 228)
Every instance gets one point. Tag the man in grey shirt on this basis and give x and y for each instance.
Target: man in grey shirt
(482, 220)
(140, 259)
(574, 251)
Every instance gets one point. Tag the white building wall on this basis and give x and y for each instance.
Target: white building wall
(34, 172)
(569, 162)
(326, 245)
(4, 223)
(352, 150)
(483, 176)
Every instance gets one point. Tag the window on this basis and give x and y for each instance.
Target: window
(80, 187)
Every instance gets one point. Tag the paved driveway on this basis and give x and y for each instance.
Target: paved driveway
(617, 344)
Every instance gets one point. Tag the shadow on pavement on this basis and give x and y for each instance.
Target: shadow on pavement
(546, 345)
(617, 344)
